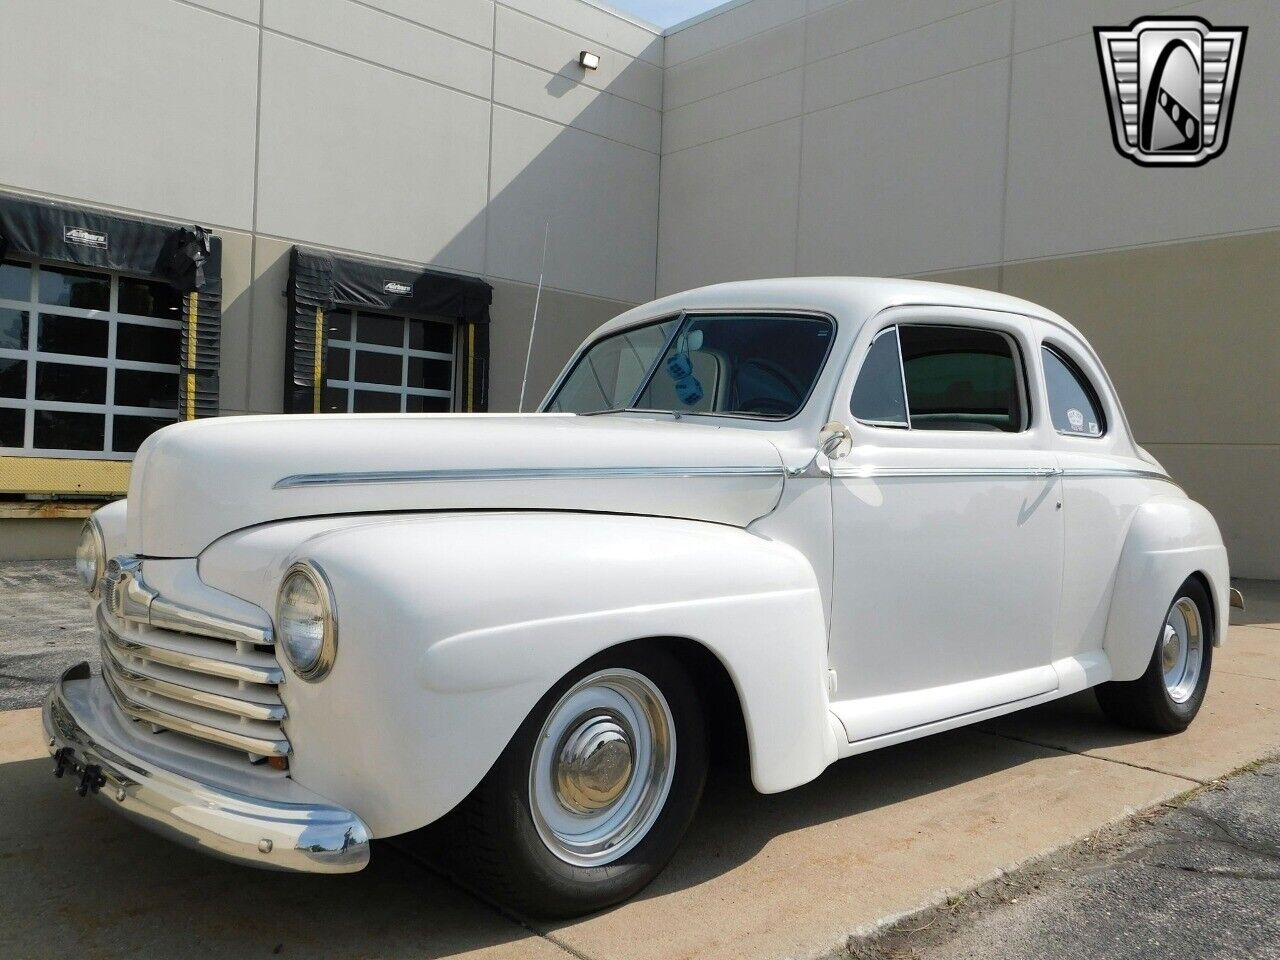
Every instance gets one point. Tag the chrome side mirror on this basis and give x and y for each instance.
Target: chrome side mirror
(835, 441)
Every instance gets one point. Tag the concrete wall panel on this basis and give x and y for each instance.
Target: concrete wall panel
(735, 111)
(386, 40)
(729, 209)
(734, 24)
(601, 198)
(265, 369)
(974, 37)
(856, 23)
(157, 136)
(906, 181)
(591, 22)
(405, 157)
(772, 52)
(1069, 191)
(39, 539)
(237, 320)
(470, 20)
(1042, 22)
(556, 51)
(242, 9)
(556, 97)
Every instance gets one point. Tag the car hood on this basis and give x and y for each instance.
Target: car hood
(195, 482)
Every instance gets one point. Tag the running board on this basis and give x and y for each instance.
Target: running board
(1071, 675)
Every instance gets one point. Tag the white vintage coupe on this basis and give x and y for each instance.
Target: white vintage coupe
(832, 514)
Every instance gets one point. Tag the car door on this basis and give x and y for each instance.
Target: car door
(948, 529)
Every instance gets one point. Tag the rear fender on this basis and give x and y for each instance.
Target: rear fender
(1170, 538)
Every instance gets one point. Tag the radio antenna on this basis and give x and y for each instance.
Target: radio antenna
(537, 300)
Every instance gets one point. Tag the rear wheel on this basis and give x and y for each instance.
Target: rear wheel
(1167, 697)
(594, 792)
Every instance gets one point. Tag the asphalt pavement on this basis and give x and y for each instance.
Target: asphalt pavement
(45, 627)
(1199, 877)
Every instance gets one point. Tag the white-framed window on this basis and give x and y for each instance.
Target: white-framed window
(88, 360)
(379, 363)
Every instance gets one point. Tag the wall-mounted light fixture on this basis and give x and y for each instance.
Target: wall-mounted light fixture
(588, 60)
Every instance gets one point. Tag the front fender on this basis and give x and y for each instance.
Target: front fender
(1169, 539)
(453, 626)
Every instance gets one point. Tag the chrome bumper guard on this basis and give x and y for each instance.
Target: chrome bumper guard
(294, 830)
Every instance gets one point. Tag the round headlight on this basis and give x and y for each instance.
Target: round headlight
(90, 555)
(308, 627)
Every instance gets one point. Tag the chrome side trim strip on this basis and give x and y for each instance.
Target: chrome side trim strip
(625, 473)
(1117, 472)
(259, 746)
(875, 473)
(872, 472)
(130, 598)
(136, 678)
(213, 666)
(519, 473)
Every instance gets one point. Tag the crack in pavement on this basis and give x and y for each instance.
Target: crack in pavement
(1093, 756)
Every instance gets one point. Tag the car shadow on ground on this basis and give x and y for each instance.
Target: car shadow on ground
(735, 823)
(83, 877)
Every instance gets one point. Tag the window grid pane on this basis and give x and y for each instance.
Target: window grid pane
(60, 350)
(368, 373)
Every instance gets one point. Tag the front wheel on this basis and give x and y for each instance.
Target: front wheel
(590, 799)
(1167, 697)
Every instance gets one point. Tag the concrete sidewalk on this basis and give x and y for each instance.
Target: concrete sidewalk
(786, 875)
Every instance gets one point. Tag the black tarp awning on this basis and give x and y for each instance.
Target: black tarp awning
(188, 258)
(321, 281)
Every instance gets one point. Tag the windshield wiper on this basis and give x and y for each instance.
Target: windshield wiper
(597, 413)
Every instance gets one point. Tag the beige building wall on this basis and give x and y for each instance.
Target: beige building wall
(968, 140)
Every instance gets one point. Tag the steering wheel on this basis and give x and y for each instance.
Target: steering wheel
(765, 404)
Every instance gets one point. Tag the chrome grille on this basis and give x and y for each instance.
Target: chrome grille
(188, 671)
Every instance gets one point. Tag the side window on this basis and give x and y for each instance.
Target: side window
(877, 394)
(961, 378)
(1073, 403)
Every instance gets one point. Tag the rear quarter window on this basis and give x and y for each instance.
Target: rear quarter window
(1073, 403)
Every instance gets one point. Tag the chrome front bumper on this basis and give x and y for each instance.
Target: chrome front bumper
(278, 826)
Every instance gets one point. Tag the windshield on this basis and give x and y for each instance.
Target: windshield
(751, 365)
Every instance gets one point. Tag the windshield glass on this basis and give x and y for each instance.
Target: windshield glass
(751, 365)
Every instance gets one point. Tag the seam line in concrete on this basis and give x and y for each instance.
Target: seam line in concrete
(1251, 676)
(563, 29)
(835, 106)
(806, 63)
(417, 78)
(502, 911)
(253, 211)
(1004, 173)
(191, 4)
(1094, 756)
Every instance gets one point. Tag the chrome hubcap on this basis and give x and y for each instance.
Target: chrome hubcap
(594, 765)
(602, 767)
(1182, 649)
